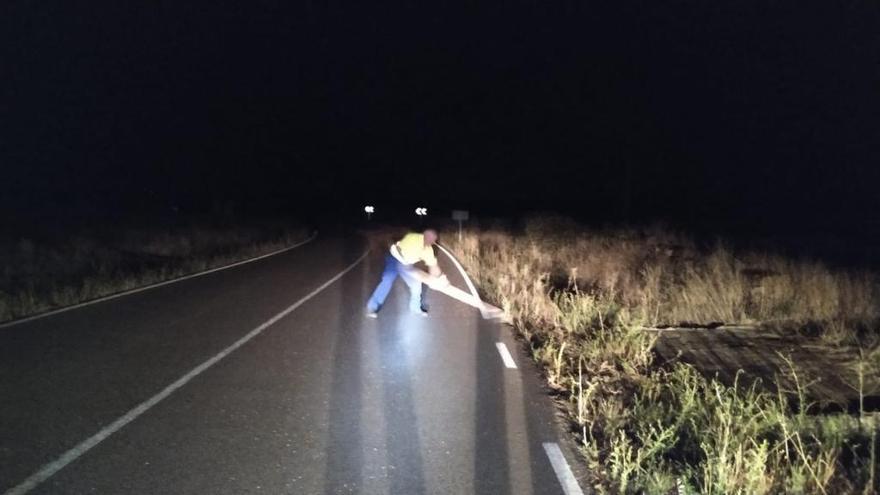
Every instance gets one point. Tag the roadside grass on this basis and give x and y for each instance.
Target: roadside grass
(42, 275)
(582, 299)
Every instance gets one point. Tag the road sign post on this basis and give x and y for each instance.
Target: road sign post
(460, 216)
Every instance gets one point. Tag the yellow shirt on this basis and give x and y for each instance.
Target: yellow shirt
(412, 249)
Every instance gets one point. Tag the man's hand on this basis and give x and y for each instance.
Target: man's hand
(438, 282)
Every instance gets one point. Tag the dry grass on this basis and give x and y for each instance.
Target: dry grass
(664, 279)
(581, 298)
(41, 276)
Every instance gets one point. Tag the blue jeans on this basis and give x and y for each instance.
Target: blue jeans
(393, 268)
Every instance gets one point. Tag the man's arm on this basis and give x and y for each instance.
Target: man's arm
(430, 259)
(438, 279)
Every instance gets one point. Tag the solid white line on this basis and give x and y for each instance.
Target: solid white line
(153, 286)
(71, 455)
(467, 280)
(563, 472)
(505, 355)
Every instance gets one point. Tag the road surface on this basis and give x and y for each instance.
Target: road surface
(268, 378)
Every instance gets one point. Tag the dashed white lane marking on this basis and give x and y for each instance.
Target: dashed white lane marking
(153, 286)
(71, 455)
(563, 472)
(505, 355)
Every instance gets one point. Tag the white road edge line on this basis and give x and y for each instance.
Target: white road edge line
(467, 280)
(505, 355)
(71, 455)
(153, 286)
(563, 472)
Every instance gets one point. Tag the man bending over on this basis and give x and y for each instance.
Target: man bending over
(403, 254)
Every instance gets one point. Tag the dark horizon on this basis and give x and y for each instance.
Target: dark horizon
(741, 114)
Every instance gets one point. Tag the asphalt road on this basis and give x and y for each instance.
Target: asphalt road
(320, 400)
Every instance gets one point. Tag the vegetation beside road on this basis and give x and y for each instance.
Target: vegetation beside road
(581, 299)
(40, 275)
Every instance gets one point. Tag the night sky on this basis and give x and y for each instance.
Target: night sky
(738, 112)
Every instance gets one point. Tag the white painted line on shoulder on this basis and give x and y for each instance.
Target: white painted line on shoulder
(505, 355)
(563, 472)
(467, 281)
(153, 286)
(71, 455)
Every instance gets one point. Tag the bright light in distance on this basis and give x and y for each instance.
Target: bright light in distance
(369, 209)
(421, 211)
